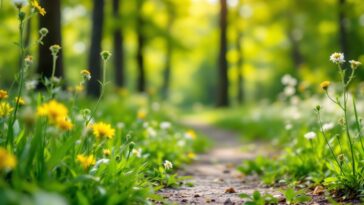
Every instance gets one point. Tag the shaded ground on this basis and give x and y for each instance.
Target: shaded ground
(215, 179)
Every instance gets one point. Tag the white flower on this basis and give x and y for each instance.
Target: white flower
(165, 125)
(120, 125)
(20, 3)
(151, 132)
(310, 135)
(288, 126)
(31, 85)
(167, 165)
(181, 143)
(289, 91)
(337, 58)
(137, 152)
(288, 80)
(354, 64)
(328, 126)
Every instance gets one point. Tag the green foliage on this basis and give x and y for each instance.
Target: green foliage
(259, 199)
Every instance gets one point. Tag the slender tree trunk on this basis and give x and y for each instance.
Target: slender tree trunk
(51, 21)
(94, 62)
(240, 94)
(118, 48)
(169, 51)
(141, 81)
(296, 55)
(342, 28)
(223, 86)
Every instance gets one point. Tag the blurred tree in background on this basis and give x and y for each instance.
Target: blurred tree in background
(176, 48)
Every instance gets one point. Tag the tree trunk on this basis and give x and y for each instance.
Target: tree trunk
(342, 28)
(94, 62)
(141, 81)
(169, 51)
(118, 48)
(51, 21)
(223, 86)
(240, 94)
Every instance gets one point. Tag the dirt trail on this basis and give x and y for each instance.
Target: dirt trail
(214, 174)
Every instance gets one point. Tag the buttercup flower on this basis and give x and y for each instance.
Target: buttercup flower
(103, 130)
(86, 161)
(190, 134)
(5, 109)
(3, 94)
(354, 64)
(64, 124)
(7, 160)
(167, 165)
(36, 6)
(106, 152)
(53, 110)
(19, 100)
(310, 135)
(325, 85)
(337, 58)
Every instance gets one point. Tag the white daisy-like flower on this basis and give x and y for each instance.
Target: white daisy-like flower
(165, 125)
(31, 85)
(354, 64)
(337, 58)
(151, 132)
(288, 126)
(289, 91)
(328, 126)
(20, 3)
(137, 152)
(310, 135)
(167, 165)
(288, 80)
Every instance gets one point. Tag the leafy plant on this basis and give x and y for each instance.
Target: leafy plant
(259, 199)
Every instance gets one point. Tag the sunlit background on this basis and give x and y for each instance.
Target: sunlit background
(276, 37)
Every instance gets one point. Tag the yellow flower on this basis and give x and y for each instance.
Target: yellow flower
(141, 115)
(53, 110)
(106, 152)
(40, 9)
(20, 101)
(3, 94)
(86, 74)
(86, 161)
(7, 160)
(325, 85)
(79, 88)
(191, 155)
(5, 109)
(191, 134)
(103, 130)
(64, 124)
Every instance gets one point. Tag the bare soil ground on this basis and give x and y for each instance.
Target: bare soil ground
(214, 177)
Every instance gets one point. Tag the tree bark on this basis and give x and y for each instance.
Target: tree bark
(169, 51)
(342, 28)
(94, 62)
(51, 21)
(118, 48)
(223, 86)
(240, 94)
(141, 81)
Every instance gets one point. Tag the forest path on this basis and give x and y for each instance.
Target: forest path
(214, 175)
